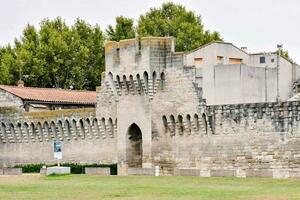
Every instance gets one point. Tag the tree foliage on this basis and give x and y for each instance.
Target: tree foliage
(56, 55)
(174, 20)
(124, 29)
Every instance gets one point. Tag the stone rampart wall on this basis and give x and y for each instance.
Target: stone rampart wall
(28, 137)
(245, 140)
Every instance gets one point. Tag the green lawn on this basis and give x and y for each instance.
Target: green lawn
(84, 187)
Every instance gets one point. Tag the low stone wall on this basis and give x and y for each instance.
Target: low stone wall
(262, 173)
(58, 170)
(187, 172)
(140, 171)
(10, 171)
(43, 171)
(97, 171)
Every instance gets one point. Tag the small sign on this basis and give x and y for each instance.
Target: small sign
(57, 150)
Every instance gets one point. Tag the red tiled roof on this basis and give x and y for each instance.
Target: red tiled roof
(53, 95)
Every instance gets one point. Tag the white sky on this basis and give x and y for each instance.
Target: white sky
(258, 24)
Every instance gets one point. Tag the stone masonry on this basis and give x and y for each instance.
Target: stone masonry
(150, 112)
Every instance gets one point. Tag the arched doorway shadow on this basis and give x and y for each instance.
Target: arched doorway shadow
(134, 146)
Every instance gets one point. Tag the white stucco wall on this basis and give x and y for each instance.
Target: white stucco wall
(209, 54)
(224, 83)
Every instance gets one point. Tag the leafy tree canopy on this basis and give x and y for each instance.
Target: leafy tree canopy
(72, 57)
(123, 29)
(175, 20)
(56, 55)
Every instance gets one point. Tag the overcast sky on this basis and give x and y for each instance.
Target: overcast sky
(257, 24)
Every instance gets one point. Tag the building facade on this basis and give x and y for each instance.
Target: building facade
(230, 75)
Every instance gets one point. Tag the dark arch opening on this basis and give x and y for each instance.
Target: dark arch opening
(139, 84)
(180, 123)
(188, 121)
(40, 131)
(196, 121)
(82, 132)
(33, 130)
(60, 129)
(111, 81)
(119, 82)
(165, 123)
(111, 127)
(154, 80)
(132, 82)
(145, 76)
(134, 146)
(162, 81)
(68, 126)
(12, 131)
(126, 83)
(205, 123)
(173, 124)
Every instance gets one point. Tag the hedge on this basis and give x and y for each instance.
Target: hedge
(75, 167)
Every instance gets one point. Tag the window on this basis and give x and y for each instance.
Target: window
(198, 62)
(199, 59)
(272, 60)
(235, 61)
(219, 59)
(262, 59)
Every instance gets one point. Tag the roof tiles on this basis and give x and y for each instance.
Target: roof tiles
(53, 95)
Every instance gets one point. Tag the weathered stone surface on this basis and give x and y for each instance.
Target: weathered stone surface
(140, 171)
(150, 112)
(12, 171)
(186, 172)
(222, 173)
(58, 170)
(258, 173)
(97, 171)
(43, 171)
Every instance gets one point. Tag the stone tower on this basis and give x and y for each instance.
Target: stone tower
(145, 81)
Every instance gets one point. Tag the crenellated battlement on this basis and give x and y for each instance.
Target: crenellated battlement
(64, 125)
(146, 54)
(256, 117)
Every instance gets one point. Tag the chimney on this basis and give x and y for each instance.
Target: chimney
(244, 49)
(20, 83)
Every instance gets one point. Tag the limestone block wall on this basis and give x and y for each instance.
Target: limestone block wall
(28, 137)
(245, 140)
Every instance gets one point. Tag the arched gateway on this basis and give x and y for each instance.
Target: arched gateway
(134, 146)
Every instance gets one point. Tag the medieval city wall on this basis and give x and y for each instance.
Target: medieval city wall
(246, 140)
(147, 86)
(28, 137)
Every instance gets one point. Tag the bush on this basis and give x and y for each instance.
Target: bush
(75, 167)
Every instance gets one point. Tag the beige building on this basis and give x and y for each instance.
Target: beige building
(230, 75)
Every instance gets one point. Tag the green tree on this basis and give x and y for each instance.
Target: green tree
(123, 29)
(56, 55)
(7, 62)
(174, 20)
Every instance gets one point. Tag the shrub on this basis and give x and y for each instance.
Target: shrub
(75, 167)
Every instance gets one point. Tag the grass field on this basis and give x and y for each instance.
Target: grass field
(85, 187)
